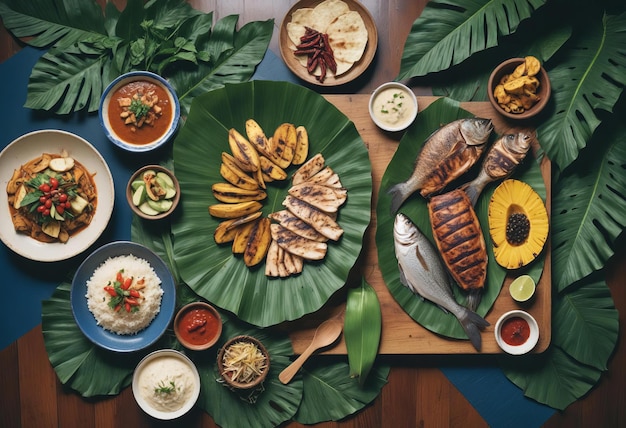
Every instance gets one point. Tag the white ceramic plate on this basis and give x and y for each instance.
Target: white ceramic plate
(32, 145)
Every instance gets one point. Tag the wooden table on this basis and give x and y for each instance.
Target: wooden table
(418, 394)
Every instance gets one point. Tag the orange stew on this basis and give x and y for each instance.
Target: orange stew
(149, 126)
(515, 331)
(198, 326)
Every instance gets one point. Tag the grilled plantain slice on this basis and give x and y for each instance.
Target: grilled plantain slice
(308, 169)
(227, 229)
(323, 222)
(327, 199)
(302, 146)
(290, 221)
(243, 151)
(224, 210)
(284, 143)
(243, 236)
(232, 172)
(258, 242)
(296, 244)
(226, 192)
(271, 170)
(257, 138)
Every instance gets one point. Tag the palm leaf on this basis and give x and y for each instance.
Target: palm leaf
(590, 201)
(590, 77)
(331, 395)
(399, 169)
(586, 325)
(210, 269)
(59, 22)
(79, 364)
(234, 56)
(552, 378)
(450, 31)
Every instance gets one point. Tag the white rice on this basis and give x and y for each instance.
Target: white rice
(123, 322)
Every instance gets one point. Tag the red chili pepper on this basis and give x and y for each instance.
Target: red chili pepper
(127, 306)
(110, 290)
(134, 293)
(117, 308)
(119, 277)
(130, 301)
(127, 283)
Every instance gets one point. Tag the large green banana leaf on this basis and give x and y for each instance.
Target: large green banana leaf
(584, 333)
(212, 270)
(591, 207)
(449, 31)
(399, 169)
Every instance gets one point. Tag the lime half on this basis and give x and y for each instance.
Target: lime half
(522, 288)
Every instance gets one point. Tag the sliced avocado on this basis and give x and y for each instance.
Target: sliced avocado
(139, 195)
(170, 192)
(135, 184)
(147, 209)
(160, 206)
(166, 178)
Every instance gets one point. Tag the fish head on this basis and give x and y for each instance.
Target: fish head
(476, 130)
(519, 142)
(404, 231)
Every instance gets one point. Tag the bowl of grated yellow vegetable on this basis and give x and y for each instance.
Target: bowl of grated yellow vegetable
(243, 362)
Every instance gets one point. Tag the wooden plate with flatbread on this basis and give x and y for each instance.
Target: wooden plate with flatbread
(352, 34)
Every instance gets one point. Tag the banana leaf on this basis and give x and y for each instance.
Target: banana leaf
(584, 334)
(331, 395)
(449, 31)
(590, 202)
(399, 169)
(211, 270)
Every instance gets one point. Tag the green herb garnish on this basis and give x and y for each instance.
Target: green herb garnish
(163, 388)
(138, 108)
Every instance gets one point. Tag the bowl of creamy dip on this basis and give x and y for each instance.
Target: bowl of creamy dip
(166, 384)
(393, 106)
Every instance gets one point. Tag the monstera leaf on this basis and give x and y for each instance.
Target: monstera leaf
(450, 31)
(590, 78)
(590, 202)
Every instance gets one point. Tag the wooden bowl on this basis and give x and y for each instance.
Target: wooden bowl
(287, 46)
(222, 371)
(137, 175)
(201, 339)
(543, 91)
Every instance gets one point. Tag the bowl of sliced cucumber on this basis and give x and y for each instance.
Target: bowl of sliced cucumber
(153, 192)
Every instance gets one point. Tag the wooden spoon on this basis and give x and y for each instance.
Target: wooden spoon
(325, 335)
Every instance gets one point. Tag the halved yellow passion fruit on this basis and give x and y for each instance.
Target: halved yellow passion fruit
(518, 224)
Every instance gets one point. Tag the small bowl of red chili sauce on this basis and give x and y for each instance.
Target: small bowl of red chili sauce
(139, 111)
(517, 332)
(198, 326)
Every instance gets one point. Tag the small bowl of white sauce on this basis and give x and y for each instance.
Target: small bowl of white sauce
(166, 384)
(393, 106)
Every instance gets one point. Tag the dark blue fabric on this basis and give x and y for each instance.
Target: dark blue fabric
(26, 283)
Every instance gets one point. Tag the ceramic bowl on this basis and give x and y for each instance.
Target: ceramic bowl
(207, 320)
(151, 373)
(543, 91)
(130, 140)
(223, 373)
(143, 208)
(501, 329)
(393, 106)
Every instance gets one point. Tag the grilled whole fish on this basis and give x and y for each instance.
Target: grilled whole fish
(460, 240)
(423, 273)
(500, 161)
(446, 155)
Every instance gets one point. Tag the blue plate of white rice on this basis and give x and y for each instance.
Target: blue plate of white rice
(140, 314)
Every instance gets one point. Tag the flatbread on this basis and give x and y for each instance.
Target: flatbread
(348, 37)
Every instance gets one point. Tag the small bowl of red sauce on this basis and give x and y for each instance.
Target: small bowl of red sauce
(139, 111)
(198, 326)
(517, 332)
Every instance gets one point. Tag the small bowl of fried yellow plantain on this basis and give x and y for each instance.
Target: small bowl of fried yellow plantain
(519, 88)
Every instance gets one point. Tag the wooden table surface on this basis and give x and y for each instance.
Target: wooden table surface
(418, 393)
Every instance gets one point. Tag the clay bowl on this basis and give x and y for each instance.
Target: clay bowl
(223, 372)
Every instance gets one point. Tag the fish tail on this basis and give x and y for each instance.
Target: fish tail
(473, 191)
(398, 196)
(473, 298)
(472, 324)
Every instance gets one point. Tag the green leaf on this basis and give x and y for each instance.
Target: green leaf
(331, 394)
(586, 325)
(589, 202)
(450, 31)
(589, 77)
(234, 57)
(212, 270)
(552, 378)
(79, 364)
(59, 22)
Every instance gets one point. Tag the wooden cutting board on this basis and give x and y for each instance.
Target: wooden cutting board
(400, 333)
